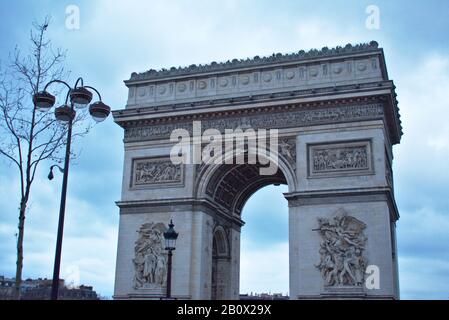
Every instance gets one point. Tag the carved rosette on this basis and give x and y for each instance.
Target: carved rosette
(150, 259)
(342, 262)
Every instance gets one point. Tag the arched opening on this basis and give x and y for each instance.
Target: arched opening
(232, 185)
(220, 265)
(228, 188)
(264, 251)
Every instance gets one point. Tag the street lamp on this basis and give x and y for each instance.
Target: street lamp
(170, 237)
(80, 96)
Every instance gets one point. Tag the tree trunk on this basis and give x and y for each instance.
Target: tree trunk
(19, 265)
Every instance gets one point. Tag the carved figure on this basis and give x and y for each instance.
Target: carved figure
(340, 158)
(150, 258)
(156, 171)
(341, 250)
(287, 149)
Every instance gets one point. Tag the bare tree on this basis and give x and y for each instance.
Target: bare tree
(29, 137)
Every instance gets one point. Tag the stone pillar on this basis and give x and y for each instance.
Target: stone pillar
(154, 191)
(226, 263)
(341, 218)
(306, 280)
(234, 293)
(201, 256)
(132, 220)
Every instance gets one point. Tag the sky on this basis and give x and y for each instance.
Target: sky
(116, 38)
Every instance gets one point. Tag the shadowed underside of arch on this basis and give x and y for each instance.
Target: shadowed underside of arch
(231, 185)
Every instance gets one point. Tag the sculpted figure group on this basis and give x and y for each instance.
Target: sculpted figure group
(341, 250)
(150, 261)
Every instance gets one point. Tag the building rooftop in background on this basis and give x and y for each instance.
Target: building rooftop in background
(40, 289)
(263, 296)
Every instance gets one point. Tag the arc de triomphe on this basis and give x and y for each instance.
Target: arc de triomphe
(337, 119)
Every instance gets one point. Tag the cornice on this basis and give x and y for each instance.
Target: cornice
(176, 205)
(315, 197)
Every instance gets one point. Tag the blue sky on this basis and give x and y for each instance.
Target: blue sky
(117, 38)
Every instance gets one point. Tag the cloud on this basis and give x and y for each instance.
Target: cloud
(266, 218)
(422, 179)
(264, 242)
(421, 168)
(116, 39)
(430, 282)
(264, 269)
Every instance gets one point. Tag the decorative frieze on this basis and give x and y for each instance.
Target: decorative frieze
(155, 171)
(342, 262)
(240, 83)
(285, 119)
(335, 159)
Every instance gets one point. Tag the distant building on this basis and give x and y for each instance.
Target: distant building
(6, 288)
(40, 289)
(6, 283)
(263, 296)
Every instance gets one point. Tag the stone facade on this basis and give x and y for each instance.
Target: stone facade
(337, 117)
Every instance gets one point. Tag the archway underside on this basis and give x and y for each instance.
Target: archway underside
(232, 185)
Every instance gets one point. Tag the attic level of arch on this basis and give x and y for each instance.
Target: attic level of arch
(293, 93)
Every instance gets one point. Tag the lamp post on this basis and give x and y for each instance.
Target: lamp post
(170, 237)
(80, 97)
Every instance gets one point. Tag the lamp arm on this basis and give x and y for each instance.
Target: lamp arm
(79, 80)
(55, 165)
(92, 88)
(62, 82)
(67, 96)
(57, 81)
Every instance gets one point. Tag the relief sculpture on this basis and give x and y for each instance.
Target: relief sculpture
(341, 250)
(287, 148)
(340, 158)
(150, 261)
(150, 171)
(292, 119)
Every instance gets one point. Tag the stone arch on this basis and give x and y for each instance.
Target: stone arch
(326, 110)
(212, 175)
(221, 263)
(220, 245)
(228, 187)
